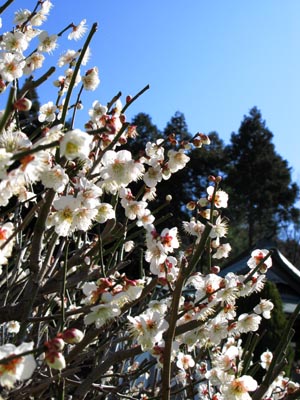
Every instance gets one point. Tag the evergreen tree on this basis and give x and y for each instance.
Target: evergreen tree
(262, 194)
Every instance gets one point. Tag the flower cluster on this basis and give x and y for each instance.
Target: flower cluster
(87, 260)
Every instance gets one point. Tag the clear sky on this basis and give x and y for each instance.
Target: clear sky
(212, 60)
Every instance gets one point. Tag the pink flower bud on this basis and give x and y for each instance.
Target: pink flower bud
(72, 336)
(23, 104)
(215, 269)
(55, 360)
(56, 344)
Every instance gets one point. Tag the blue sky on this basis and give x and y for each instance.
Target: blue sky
(212, 60)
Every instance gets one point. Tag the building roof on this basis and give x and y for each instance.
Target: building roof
(283, 273)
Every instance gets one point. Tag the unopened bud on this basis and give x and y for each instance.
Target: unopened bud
(72, 336)
(197, 142)
(56, 344)
(23, 104)
(168, 198)
(129, 245)
(55, 360)
(191, 205)
(215, 269)
(203, 202)
(128, 99)
(2, 86)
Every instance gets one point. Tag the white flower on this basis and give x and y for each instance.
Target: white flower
(219, 229)
(264, 307)
(238, 388)
(33, 165)
(14, 41)
(11, 66)
(91, 79)
(55, 360)
(47, 112)
(5, 161)
(248, 323)
(118, 169)
(145, 219)
(184, 361)
(55, 178)
(38, 18)
(17, 369)
(221, 197)
(103, 312)
(14, 141)
(67, 58)
(155, 152)
(265, 359)
(256, 258)
(223, 251)
(46, 6)
(21, 16)
(177, 160)
(75, 144)
(13, 327)
(78, 30)
(63, 218)
(33, 62)
(153, 176)
(134, 209)
(148, 328)
(194, 227)
(47, 43)
(97, 111)
(169, 240)
(105, 212)
(128, 246)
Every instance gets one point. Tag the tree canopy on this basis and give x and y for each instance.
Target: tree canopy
(259, 182)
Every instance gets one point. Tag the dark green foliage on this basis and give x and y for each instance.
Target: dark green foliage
(258, 180)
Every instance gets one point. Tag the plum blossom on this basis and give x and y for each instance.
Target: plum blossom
(238, 388)
(78, 31)
(148, 328)
(153, 176)
(55, 178)
(11, 66)
(63, 218)
(221, 197)
(248, 322)
(18, 368)
(264, 307)
(103, 312)
(177, 160)
(119, 169)
(223, 251)
(6, 231)
(33, 62)
(105, 212)
(75, 144)
(47, 43)
(257, 257)
(185, 361)
(48, 112)
(265, 359)
(14, 41)
(91, 79)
